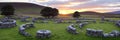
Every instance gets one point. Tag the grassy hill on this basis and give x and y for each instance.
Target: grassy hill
(24, 8)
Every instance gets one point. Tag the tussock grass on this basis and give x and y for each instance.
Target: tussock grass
(58, 31)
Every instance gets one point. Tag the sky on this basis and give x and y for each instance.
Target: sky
(70, 6)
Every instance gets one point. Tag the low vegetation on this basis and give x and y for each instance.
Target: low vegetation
(58, 31)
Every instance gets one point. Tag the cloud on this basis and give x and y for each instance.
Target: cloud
(41, 0)
(85, 5)
(95, 3)
(117, 4)
(62, 2)
(73, 5)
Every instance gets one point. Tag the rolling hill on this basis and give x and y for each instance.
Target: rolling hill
(94, 14)
(115, 12)
(24, 8)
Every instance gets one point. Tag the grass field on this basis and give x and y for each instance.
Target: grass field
(58, 31)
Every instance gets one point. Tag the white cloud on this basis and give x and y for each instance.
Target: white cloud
(75, 4)
(106, 8)
(117, 4)
(41, 0)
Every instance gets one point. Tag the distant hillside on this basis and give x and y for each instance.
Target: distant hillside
(24, 8)
(89, 13)
(94, 14)
(115, 12)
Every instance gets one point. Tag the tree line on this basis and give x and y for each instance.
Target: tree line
(46, 12)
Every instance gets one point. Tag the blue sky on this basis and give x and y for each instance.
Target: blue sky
(69, 6)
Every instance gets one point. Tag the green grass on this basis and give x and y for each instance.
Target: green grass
(58, 31)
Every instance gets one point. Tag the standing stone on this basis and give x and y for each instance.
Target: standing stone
(106, 35)
(116, 33)
(118, 23)
(99, 32)
(81, 25)
(7, 23)
(102, 18)
(34, 19)
(43, 34)
(92, 32)
(71, 29)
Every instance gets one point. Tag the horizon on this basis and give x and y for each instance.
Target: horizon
(70, 6)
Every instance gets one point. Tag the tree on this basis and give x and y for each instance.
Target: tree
(7, 10)
(45, 12)
(49, 12)
(55, 12)
(76, 14)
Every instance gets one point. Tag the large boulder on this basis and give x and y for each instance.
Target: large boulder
(92, 32)
(43, 34)
(7, 23)
(71, 29)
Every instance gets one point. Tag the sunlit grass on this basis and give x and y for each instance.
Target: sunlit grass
(58, 31)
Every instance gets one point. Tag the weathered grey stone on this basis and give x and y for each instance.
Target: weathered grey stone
(71, 25)
(99, 32)
(71, 29)
(111, 35)
(43, 34)
(78, 21)
(106, 35)
(25, 33)
(34, 19)
(102, 18)
(118, 23)
(88, 31)
(116, 33)
(30, 24)
(7, 23)
(92, 32)
(82, 24)
(23, 27)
